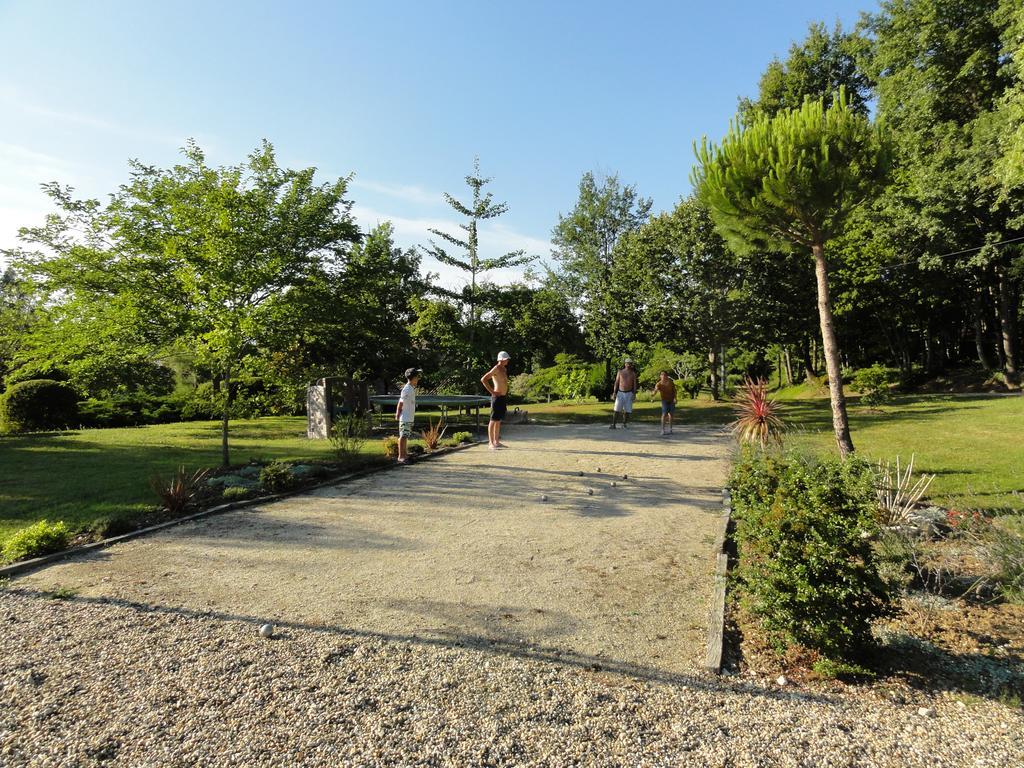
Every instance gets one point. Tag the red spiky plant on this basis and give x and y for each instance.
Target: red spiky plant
(758, 416)
(180, 490)
(432, 435)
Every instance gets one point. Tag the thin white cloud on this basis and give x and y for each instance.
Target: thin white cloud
(409, 192)
(22, 202)
(15, 100)
(496, 239)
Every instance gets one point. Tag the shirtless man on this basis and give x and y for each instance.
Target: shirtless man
(667, 389)
(495, 381)
(623, 393)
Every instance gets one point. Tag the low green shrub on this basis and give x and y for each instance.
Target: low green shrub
(36, 540)
(462, 437)
(895, 553)
(390, 446)
(831, 669)
(874, 384)
(129, 410)
(203, 403)
(113, 525)
(277, 477)
(38, 404)
(348, 435)
(415, 449)
(806, 565)
(1007, 551)
(236, 493)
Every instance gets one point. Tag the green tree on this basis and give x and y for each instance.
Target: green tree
(17, 314)
(195, 253)
(440, 342)
(1010, 17)
(351, 321)
(532, 323)
(585, 240)
(792, 181)
(482, 208)
(814, 69)
(941, 69)
(687, 279)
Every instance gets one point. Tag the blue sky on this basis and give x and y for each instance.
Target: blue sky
(401, 94)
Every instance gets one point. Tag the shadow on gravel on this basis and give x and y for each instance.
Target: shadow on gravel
(451, 640)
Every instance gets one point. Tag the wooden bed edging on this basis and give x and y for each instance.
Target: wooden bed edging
(716, 626)
(24, 566)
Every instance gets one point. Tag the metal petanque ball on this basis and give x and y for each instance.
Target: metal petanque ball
(580, 474)
(267, 630)
(590, 491)
(625, 477)
(544, 497)
(614, 484)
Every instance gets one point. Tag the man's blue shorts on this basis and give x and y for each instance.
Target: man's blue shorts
(668, 406)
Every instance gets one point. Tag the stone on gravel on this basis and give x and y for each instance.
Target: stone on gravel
(267, 630)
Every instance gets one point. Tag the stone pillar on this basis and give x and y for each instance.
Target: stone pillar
(318, 410)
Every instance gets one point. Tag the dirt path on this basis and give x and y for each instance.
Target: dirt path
(463, 550)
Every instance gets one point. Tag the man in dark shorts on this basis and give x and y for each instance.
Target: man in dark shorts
(495, 381)
(667, 389)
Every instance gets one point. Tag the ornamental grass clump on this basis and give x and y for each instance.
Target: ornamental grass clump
(433, 433)
(807, 569)
(758, 420)
(898, 491)
(178, 491)
(390, 446)
(348, 435)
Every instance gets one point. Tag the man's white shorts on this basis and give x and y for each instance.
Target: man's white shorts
(624, 402)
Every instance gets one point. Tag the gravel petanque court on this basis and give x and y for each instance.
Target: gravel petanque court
(441, 615)
(463, 549)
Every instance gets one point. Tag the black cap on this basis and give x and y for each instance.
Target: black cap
(410, 372)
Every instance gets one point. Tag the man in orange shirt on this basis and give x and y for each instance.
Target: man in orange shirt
(667, 389)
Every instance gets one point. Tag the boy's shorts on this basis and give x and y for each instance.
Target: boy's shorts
(668, 406)
(405, 429)
(624, 402)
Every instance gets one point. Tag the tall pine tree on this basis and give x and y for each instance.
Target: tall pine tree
(480, 209)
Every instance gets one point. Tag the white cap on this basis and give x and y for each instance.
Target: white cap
(503, 356)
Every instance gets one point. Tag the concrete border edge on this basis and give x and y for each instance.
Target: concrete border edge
(716, 626)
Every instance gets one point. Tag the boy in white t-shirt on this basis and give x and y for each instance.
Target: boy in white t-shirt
(405, 413)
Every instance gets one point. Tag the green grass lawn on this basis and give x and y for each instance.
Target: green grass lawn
(974, 444)
(80, 477)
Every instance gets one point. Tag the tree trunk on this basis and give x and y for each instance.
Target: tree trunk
(805, 356)
(713, 364)
(789, 367)
(981, 344)
(778, 367)
(225, 459)
(840, 422)
(1008, 330)
(607, 378)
